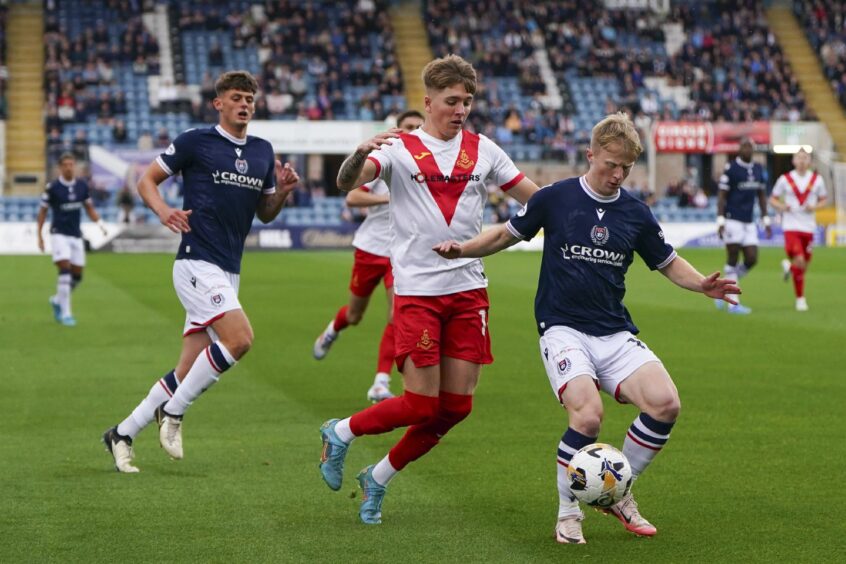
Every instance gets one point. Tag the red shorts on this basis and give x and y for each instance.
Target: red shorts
(429, 327)
(798, 243)
(368, 270)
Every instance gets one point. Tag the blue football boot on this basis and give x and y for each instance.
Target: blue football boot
(333, 455)
(372, 496)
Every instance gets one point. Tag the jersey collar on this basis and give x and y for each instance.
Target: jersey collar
(743, 163)
(226, 135)
(67, 183)
(589, 191)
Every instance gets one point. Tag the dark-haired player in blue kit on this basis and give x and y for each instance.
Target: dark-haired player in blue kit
(65, 197)
(229, 178)
(741, 183)
(592, 229)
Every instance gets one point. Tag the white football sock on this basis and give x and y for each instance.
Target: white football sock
(63, 290)
(342, 429)
(644, 440)
(144, 414)
(732, 273)
(211, 362)
(384, 472)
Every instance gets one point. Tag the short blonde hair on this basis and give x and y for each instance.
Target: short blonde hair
(616, 128)
(449, 71)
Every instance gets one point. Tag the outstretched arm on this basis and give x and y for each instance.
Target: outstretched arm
(682, 273)
(523, 190)
(485, 243)
(360, 198)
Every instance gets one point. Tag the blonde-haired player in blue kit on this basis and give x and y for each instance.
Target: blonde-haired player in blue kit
(229, 179)
(592, 228)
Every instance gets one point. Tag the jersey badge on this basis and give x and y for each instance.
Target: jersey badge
(425, 343)
(241, 166)
(464, 161)
(599, 235)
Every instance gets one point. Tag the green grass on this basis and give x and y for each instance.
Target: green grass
(754, 471)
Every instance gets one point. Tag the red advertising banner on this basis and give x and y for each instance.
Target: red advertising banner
(707, 137)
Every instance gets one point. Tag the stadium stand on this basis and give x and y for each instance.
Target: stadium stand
(3, 72)
(548, 69)
(823, 21)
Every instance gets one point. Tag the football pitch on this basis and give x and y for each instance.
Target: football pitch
(753, 472)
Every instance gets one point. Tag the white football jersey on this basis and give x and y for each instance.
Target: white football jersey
(374, 234)
(438, 193)
(796, 191)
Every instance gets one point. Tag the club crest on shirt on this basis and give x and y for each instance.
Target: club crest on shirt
(464, 161)
(217, 300)
(599, 235)
(241, 166)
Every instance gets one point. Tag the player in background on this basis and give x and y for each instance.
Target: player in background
(592, 228)
(65, 197)
(437, 176)
(229, 178)
(798, 194)
(740, 184)
(372, 263)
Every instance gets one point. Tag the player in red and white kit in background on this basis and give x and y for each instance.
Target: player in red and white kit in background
(437, 177)
(798, 194)
(372, 263)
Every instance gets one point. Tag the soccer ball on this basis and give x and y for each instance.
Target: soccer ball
(599, 475)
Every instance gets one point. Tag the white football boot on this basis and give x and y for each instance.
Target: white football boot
(170, 432)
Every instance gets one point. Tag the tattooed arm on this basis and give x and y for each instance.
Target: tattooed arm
(356, 169)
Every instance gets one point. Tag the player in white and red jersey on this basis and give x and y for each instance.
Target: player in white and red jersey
(372, 244)
(798, 194)
(437, 176)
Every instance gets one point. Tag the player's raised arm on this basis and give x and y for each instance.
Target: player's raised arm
(484, 244)
(357, 169)
(682, 273)
(270, 204)
(148, 188)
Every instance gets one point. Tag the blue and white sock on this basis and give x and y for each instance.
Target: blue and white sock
(571, 442)
(144, 414)
(733, 273)
(644, 440)
(211, 362)
(63, 291)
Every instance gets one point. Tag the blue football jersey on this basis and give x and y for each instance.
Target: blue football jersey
(589, 243)
(65, 200)
(742, 181)
(223, 180)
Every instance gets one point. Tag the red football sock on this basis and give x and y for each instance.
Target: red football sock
(341, 319)
(401, 411)
(420, 439)
(386, 350)
(798, 280)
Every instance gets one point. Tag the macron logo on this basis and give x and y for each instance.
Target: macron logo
(600, 212)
